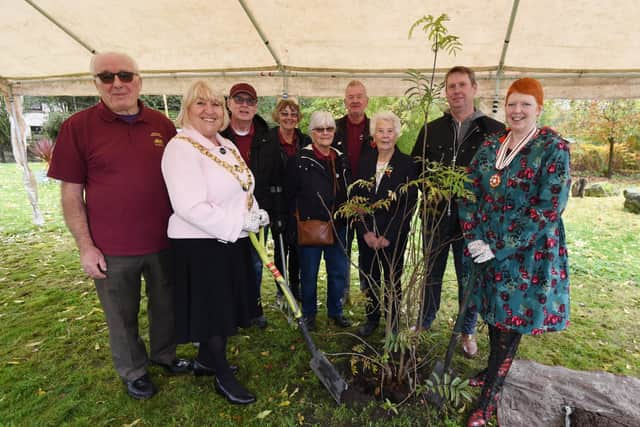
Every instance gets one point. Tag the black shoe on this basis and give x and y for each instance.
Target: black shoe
(200, 370)
(367, 329)
(341, 321)
(177, 366)
(310, 322)
(260, 322)
(240, 397)
(141, 388)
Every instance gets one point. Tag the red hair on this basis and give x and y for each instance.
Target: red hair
(527, 86)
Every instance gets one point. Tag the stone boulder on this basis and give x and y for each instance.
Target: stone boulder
(536, 395)
(632, 200)
(600, 189)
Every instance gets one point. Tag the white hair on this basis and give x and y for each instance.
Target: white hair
(388, 116)
(321, 119)
(94, 60)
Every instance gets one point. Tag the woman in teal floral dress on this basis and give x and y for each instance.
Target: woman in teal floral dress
(515, 236)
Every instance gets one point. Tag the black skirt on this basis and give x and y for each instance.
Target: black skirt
(214, 288)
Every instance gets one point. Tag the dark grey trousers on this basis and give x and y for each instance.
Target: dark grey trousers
(119, 295)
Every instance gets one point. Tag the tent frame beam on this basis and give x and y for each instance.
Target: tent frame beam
(267, 43)
(62, 27)
(503, 55)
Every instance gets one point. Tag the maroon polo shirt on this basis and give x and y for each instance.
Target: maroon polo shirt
(118, 163)
(355, 136)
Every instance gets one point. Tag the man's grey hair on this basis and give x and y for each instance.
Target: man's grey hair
(94, 60)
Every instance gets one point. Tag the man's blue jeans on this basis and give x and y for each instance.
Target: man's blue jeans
(337, 266)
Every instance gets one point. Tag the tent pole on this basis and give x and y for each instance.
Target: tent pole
(265, 40)
(62, 27)
(166, 106)
(19, 149)
(503, 54)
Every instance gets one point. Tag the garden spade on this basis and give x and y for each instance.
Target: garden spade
(442, 374)
(320, 365)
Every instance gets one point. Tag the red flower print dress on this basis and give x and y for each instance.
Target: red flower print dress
(525, 288)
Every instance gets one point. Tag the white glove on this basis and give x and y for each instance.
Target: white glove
(480, 251)
(475, 247)
(251, 222)
(263, 217)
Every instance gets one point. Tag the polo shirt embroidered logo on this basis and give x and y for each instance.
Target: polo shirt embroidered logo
(158, 141)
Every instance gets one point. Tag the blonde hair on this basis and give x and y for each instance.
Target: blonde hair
(199, 90)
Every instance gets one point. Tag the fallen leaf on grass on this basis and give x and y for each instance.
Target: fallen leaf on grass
(13, 362)
(284, 403)
(132, 424)
(97, 347)
(18, 301)
(264, 353)
(33, 344)
(41, 392)
(262, 415)
(294, 392)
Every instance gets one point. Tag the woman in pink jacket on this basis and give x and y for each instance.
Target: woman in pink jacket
(211, 191)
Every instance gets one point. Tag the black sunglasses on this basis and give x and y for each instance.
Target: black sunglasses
(109, 77)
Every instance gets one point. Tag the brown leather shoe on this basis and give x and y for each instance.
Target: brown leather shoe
(469, 346)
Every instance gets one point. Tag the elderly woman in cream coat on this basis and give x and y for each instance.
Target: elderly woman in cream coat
(211, 191)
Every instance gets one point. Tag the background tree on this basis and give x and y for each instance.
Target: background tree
(615, 123)
(5, 131)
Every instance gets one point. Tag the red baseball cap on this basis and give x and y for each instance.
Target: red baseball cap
(243, 88)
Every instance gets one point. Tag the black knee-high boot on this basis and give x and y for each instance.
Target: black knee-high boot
(225, 382)
(503, 348)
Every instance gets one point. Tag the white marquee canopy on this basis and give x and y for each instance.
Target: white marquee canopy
(580, 48)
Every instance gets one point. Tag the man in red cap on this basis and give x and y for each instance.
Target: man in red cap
(250, 133)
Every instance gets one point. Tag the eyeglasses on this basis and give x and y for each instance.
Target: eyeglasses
(287, 114)
(245, 100)
(108, 77)
(327, 129)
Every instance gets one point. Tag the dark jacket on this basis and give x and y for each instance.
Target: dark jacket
(265, 162)
(442, 144)
(310, 186)
(442, 141)
(393, 222)
(302, 140)
(340, 142)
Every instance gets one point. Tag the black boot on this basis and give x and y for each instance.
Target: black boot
(225, 383)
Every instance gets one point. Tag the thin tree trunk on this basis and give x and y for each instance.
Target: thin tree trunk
(610, 167)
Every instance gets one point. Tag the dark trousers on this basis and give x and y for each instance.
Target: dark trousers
(373, 264)
(256, 264)
(448, 235)
(293, 267)
(119, 295)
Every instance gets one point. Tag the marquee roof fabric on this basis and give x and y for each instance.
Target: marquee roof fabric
(580, 48)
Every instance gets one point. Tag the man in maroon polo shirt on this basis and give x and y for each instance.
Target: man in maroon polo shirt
(352, 138)
(116, 206)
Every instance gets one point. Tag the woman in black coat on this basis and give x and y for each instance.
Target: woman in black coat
(385, 231)
(290, 139)
(317, 179)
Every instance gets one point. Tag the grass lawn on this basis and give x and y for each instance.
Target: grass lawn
(55, 363)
